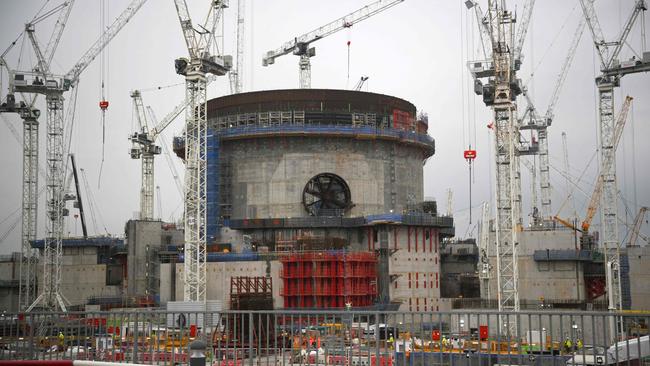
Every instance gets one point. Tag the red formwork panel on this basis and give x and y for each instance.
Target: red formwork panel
(403, 120)
(329, 279)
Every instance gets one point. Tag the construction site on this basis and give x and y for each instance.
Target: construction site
(305, 228)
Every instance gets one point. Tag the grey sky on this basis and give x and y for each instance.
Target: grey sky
(415, 51)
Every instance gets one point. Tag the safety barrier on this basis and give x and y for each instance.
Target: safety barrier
(346, 337)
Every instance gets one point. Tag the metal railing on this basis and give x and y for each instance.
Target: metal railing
(336, 337)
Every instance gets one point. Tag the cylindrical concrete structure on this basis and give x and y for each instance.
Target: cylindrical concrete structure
(314, 152)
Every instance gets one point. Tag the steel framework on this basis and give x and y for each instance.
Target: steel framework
(200, 63)
(29, 262)
(53, 87)
(144, 149)
(508, 183)
(612, 71)
(485, 268)
(236, 74)
(299, 46)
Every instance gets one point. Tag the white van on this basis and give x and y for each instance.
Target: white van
(624, 352)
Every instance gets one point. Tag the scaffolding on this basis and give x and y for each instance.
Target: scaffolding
(213, 186)
(333, 279)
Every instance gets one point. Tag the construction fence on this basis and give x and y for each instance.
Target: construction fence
(344, 337)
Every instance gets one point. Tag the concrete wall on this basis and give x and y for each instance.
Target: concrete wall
(220, 273)
(458, 268)
(269, 175)
(9, 275)
(82, 281)
(639, 258)
(559, 280)
(79, 256)
(143, 241)
(414, 268)
(9, 270)
(420, 261)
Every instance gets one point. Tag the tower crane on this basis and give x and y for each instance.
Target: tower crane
(167, 154)
(41, 81)
(595, 199)
(360, 83)
(200, 62)
(30, 115)
(536, 219)
(300, 46)
(612, 70)
(144, 147)
(636, 227)
(500, 94)
(532, 120)
(565, 153)
(235, 74)
(28, 263)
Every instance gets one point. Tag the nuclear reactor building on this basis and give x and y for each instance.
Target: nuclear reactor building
(324, 190)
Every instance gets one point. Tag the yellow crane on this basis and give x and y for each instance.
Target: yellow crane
(636, 228)
(598, 189)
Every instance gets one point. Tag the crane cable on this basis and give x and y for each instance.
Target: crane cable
(161, 87)
(103, 103)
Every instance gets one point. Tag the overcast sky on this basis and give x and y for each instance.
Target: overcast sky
(416, 50)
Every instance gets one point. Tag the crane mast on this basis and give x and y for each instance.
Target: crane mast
(507, 159)
(594, 200)
(598, 189)
(565, 153)
(194, 69)
(29, 261)
(485, 269)
(41, 81)
(300, 46)
(144, 148)
(612, 71)
(532, 120)
(235, 75)
(500, 93)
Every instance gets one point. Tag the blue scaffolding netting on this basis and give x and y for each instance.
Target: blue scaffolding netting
(212, 187)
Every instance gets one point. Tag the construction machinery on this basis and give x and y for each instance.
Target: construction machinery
(360, 83)
(78, 201)
(300, 46)
(611, 72)
(236, 73)
(485, 269)
(29, 115)
(28, 263)
(200, 62)
(503, 59)
(37, 81)
(144, 148)
(594, 201)
(533, 121)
